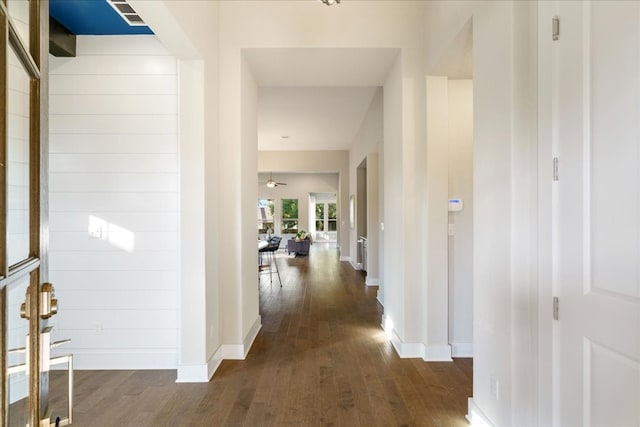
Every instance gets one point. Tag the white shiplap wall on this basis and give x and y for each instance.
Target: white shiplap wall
(114, 202)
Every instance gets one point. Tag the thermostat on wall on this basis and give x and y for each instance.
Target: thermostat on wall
(455, 205)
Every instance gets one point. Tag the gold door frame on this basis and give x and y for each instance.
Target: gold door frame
(34, 61)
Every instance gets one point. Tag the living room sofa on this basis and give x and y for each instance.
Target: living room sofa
(299, 247)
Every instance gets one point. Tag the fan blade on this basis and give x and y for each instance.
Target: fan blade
(281, 183)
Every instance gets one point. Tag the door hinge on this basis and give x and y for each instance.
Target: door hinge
(555, 28)
(556, 308)
(555, 169)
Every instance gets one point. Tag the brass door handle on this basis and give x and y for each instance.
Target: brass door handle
(48, 304)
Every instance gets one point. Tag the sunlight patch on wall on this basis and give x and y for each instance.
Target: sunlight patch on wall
(115, 235)
(388, 327)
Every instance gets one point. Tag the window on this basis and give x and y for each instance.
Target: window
(332, 223)
(319, 216)
(289, 216)
(266, 210)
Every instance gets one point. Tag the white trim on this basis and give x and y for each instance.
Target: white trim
(240, 351)
(192, 374)
(406, 350)
(380, 297)
(476, 417)
(355, 265)
(200, 373)
(251, 335)
(232, 351)
(462, 349)
(371, 281)
(345, 258)
(214, 363)
(428, 353)
(437, 353)
(203, 373)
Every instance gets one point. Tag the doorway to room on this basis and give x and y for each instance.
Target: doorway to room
(324, 221)
(450, 186)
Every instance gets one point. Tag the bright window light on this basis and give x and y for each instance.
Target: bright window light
(115, 235)
(388, 327)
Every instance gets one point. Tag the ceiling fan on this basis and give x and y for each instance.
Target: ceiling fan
(271, 183)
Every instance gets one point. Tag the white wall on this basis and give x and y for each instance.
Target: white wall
(189, 30)
(299, 185)
(460, 180)
(504, 345)
(114, 174)
(437, 171)
(367, 145)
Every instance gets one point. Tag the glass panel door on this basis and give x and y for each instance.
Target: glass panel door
(17, 331)
(24, 390)
(18, 81)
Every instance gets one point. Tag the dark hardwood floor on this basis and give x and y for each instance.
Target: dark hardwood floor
(321, 358)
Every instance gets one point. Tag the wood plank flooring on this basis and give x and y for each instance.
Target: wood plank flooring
(321, 359)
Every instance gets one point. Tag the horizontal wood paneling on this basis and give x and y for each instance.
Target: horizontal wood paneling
(115, 65)
(106, 299)
(116, 104)
(110, 144)
(134, 222)
(132, 339)
(118, 261)
(113, 85)
(114, 162)
(113, 124)
(143, 319)
(113, 182)
(81, 241)
(114, 202)
(98, 280)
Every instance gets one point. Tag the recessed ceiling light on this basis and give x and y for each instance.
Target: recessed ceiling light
(285, 137)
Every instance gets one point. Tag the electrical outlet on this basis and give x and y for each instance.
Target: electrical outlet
(494, 387)
(98, 328)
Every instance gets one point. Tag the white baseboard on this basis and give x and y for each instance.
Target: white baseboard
(240, 351)
(406, 350)
(193, 373)
(371, 281)
(124, 359)
(428, 353)
(462, 349)
(355, 265)
(380, 297)
(476, 417)
(200, 373)
(345, 258)
(437, 353)
(251, 336)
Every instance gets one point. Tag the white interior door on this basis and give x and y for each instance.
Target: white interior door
(596, 213)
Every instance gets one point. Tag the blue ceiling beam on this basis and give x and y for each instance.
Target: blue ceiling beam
(92, 17)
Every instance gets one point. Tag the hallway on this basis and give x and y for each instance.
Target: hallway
(321, 358)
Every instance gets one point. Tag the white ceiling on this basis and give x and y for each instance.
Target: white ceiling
(321, 67)
(315, 97)
(312, 118)
(457, 62)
